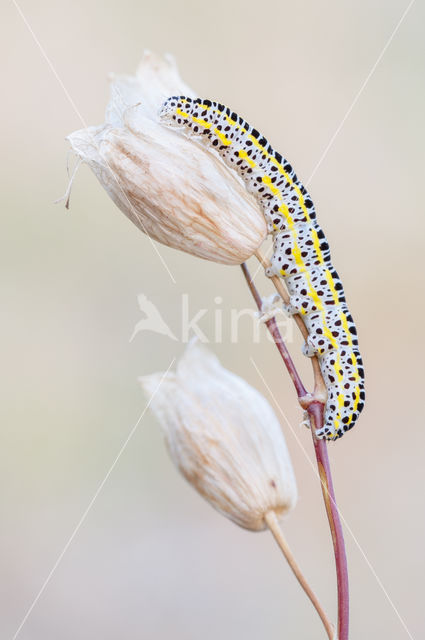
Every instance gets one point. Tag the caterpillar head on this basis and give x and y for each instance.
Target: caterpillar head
(173, 111)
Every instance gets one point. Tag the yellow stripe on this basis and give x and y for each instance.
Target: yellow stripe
(331, 284)
(354, 363)
(334, 343)
(203, 123)
(222, 137)
(296, 252)
(316, 243)
(289, 219)
(350, 342)
(232, 122)
(256, 143)
(182, 113)
(343, 318)
(283, 207)
(243, 154)
(268, 181)
(229, 120)
(289, 180)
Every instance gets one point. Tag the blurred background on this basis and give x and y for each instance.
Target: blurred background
(151, 559)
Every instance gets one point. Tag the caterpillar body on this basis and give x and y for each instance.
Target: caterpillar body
(301, 253)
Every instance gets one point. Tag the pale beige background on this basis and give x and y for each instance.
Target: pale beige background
(152, 560)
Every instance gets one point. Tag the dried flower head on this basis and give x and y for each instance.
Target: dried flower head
(170, 186)
(224, 438)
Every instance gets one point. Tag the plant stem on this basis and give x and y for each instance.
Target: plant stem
(274, 330)
(273, 525)
(320, 449)
(314, 405)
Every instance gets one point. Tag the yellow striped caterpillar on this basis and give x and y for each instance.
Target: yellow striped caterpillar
(301, 254)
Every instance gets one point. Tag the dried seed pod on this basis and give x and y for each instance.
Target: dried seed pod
(224, 438)
(171, 187)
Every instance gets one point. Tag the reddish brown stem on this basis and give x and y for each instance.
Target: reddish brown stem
(315, 411)
(314, 406)
(276, 335)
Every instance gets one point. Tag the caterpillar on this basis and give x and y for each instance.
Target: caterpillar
(301, 254)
